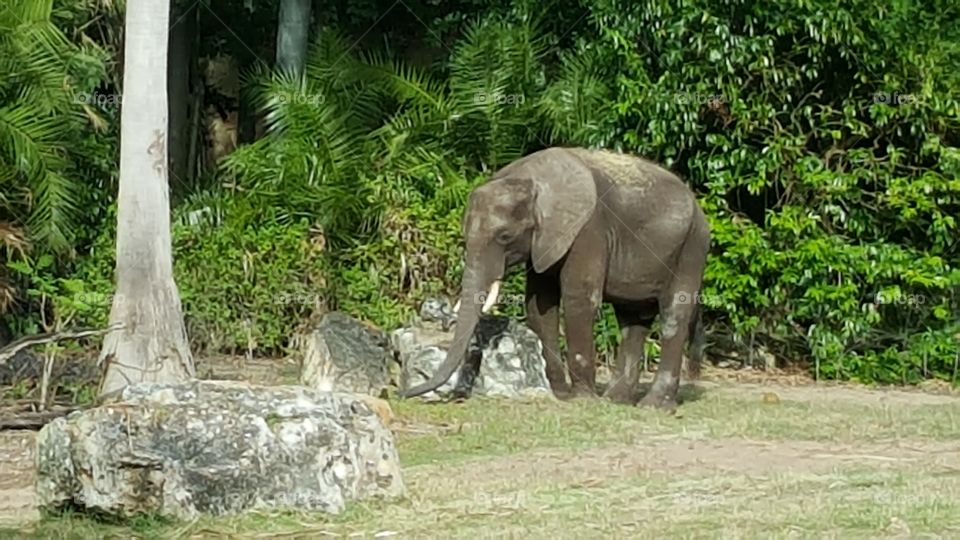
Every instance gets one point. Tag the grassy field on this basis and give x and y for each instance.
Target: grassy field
(740, 461)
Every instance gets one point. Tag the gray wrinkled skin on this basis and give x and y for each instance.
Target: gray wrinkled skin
(343, 355)
(509, 354)
(217, 448)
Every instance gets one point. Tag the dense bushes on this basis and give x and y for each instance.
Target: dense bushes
(822, 138)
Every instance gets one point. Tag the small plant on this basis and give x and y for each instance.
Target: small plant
(61, 301)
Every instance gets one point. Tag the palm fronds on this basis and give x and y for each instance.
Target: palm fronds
(363, 132)
(39, 114)
(572, 106)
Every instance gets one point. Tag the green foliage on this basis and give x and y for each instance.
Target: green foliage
(266, 278)
(46, 77)
(61, 303)
(61, 299)
(822, 137)
(831, 200)
(418, 256)
(832, 207)
(246, 279)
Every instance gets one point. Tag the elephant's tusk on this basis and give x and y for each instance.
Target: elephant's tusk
(491, 296)
(456, 307)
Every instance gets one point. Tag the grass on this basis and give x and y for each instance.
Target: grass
(732, 466)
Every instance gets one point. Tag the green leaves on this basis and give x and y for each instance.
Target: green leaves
(820, 138)
(40, 120)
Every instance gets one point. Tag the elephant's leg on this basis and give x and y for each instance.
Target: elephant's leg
(634, 327)
(543, 317)
(581, 300)
(677, 308)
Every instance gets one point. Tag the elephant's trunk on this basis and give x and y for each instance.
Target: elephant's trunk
(469, 308)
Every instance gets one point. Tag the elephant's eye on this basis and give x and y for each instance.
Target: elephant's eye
(504, 237)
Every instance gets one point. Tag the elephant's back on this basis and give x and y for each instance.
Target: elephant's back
(623, 169)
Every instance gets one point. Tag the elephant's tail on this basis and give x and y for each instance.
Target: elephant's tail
(697, 342)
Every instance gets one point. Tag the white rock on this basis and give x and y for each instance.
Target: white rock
(217, 447)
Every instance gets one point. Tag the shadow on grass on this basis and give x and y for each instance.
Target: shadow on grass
(688, 393)
(74, 522)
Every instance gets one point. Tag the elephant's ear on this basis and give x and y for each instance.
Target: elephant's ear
(565, 199)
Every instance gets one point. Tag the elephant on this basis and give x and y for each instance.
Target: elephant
(590, 226)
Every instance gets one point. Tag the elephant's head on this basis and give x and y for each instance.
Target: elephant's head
(532, 210)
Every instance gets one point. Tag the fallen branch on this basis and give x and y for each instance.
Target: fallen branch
(33, 420)
(6, 353)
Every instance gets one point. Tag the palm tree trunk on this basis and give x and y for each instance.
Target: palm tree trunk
(152, 345)
(292, 35)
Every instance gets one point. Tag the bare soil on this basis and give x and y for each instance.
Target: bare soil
(594, 467)
(17, 473)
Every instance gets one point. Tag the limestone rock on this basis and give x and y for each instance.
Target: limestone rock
(344, 355)
(505, 356)
(512, 363)
(420, 350)
(380, 407)
(438, 310)
(217, 448)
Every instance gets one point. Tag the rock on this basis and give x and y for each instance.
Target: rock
(509, 354)
(438, 310)
(380, 407)
(769, 360)
(512, 363)
(420, 351)
(344, 355)
(216, 448)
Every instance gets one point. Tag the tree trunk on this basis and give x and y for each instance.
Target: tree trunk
(292, 35)
(152, 345)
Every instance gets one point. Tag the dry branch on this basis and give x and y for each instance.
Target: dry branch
(32, 419)
(6, 353)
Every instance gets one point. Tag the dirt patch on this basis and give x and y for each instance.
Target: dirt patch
(832, 392)
(263, 371)
(689, 457)
(17, 474)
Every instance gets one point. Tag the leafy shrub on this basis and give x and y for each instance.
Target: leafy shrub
(831, 198)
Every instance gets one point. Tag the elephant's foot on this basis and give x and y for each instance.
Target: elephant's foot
(562, 392)
(659, 400)
(620, 393)
(581, 391)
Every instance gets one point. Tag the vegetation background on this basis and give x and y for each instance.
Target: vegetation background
(823, 139)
